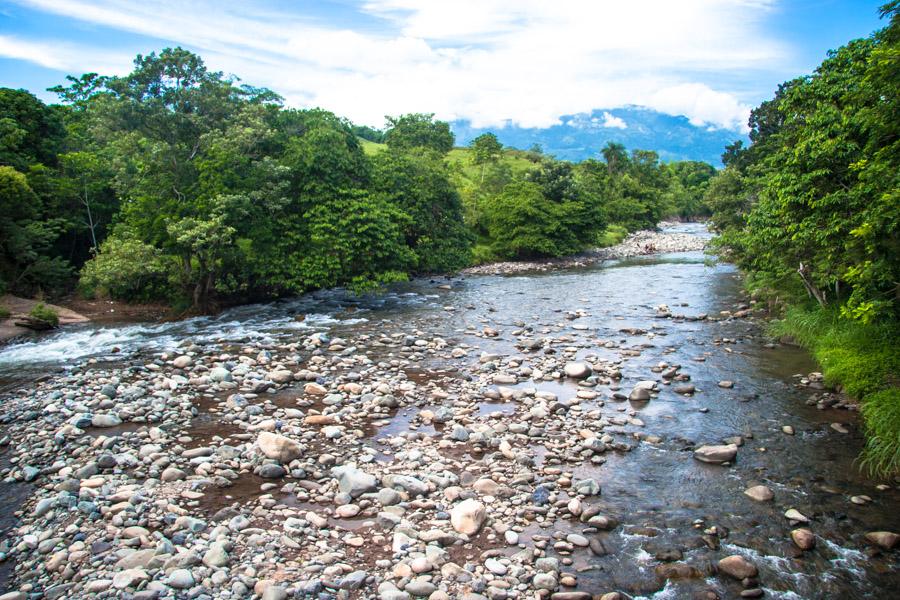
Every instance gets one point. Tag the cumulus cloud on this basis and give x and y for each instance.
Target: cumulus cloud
(489, 61)
(613, 122)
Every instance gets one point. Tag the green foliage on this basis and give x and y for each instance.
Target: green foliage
(128, 269)
(42, 312)
(30, 131)
(176, 182)
(689, 181)
(486, 148)
(882, 415)
(355, 238)
(524, 223)
(815, 197)
(370, 134)
(4, 313)
(812, 211)
(418, 130)
(420, 186)
(612, 235)
(26, 260)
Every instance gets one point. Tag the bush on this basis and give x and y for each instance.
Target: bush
(4, 312)
(44, 313)
(126, 269)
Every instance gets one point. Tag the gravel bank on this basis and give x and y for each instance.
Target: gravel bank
(640, 243)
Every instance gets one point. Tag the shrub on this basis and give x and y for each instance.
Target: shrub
(126, 269)
(44, 313)
(4, 312)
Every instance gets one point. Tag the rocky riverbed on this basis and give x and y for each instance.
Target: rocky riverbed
(615, 432)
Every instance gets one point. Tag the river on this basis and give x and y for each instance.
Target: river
(672, 509)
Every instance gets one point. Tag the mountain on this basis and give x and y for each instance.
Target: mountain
(582, 135)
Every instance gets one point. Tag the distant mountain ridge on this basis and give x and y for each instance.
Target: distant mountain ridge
(582, 135)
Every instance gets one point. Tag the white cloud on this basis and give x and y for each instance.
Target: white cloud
(613, 122)
(63, 56)
(490, 61)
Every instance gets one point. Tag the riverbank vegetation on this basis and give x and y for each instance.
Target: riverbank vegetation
(811, 210)
(180, 184)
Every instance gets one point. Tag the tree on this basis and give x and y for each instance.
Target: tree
(30, 131)
(486, 149)
(26, 259)
(418, 130)
(420, 186)
(523, 223)
(616, 157)
(355, 238)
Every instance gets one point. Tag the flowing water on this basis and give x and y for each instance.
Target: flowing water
(664, 498)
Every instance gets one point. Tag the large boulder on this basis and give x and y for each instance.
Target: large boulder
(279, 447)
(716, 455)
(468, 516)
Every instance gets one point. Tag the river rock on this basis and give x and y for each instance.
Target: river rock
(795, 515)
(129, 578)
(578, 370)
(180, 579)
(216, 556)
(420, 587)
(279, 447)
(738, 567)
(803, 538)
(588, 487)
(639, 394)
(355, 482)
(105, 420)
(760, 493)
(272, 471)
(220, 374)
(883, 539)
(716, 455)
(468, 516)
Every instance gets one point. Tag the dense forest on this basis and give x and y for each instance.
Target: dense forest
(811, 210)
(179, 184)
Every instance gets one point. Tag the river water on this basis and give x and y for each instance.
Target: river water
(664, 499)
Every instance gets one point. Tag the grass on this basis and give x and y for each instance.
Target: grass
(865, 361)
(4, 313)
(42, 312)
(613, 235)
(516, 160)
(371, 148)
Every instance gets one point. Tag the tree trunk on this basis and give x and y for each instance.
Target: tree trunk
(811, 289)
(91, 225)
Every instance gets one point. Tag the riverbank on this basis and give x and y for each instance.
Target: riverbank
(864, 361)
(602, 433)
(639, 243)
(75, 310)
(20, 307)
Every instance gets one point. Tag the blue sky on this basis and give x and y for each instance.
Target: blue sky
(489, 61)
